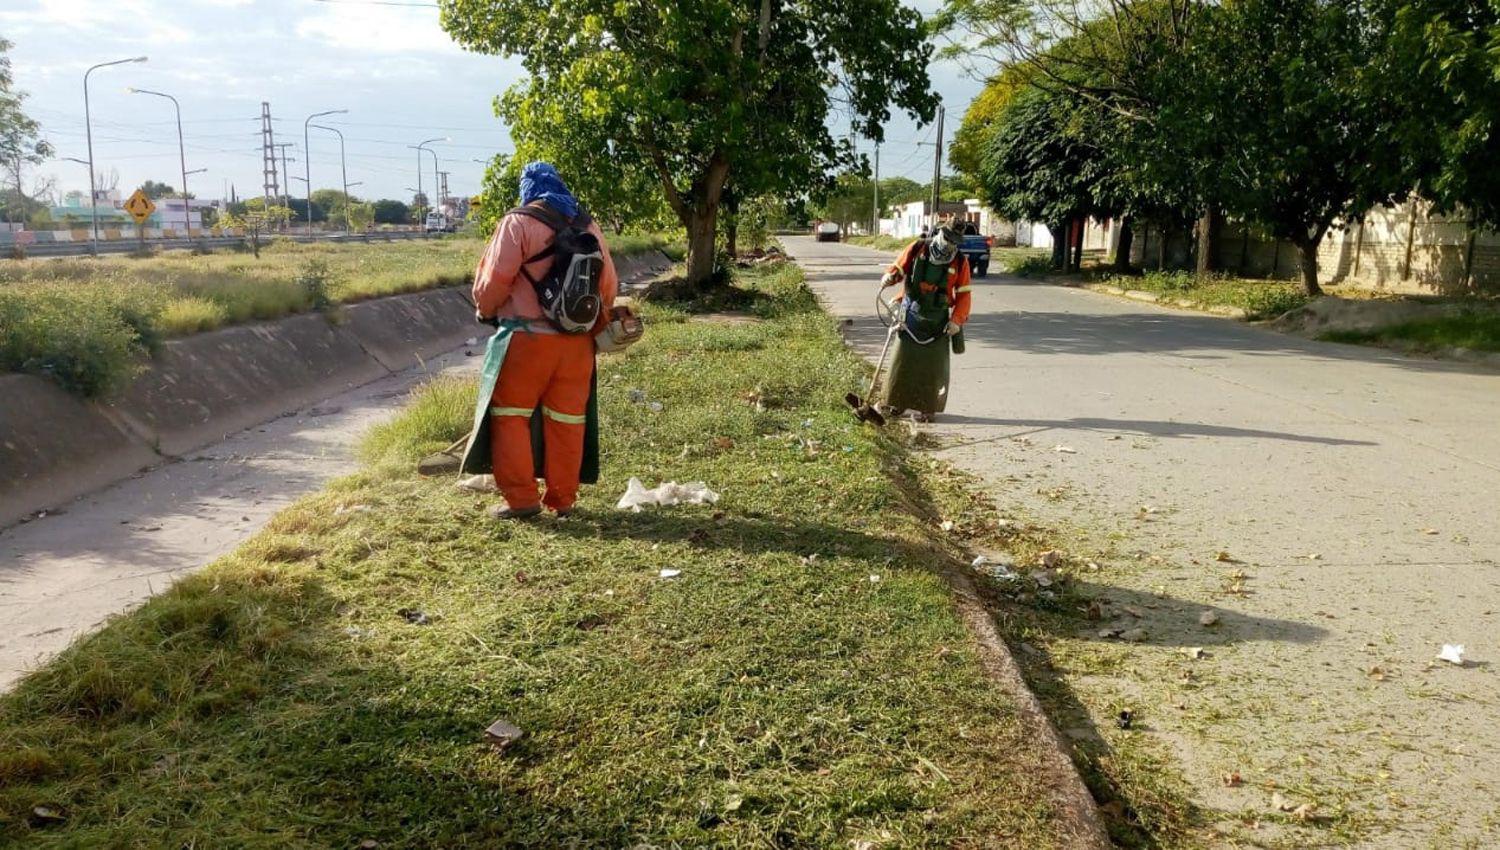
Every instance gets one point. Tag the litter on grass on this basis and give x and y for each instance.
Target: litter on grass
(667, 494)
(670, 573)
(1452, 653)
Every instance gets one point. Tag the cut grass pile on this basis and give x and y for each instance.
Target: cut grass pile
(1472, 329)
(803, 682)
(1260, 299)
(86, 322)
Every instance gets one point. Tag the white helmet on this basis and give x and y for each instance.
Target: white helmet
(943, 246)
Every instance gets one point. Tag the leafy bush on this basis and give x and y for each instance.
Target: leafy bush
(90, 352)
(314, 283)
(1270, 301)
(1030, 266)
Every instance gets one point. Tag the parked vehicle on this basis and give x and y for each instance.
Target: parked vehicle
(439, 223)
(828, 231)
(977, 249)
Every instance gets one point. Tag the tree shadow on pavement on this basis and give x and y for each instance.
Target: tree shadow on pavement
(1138, 427)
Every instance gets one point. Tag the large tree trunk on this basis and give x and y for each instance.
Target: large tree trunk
(1308, 253)
(1080, 225)
(1059, 245)
(1122, 248)
(1208, 239)
(701, 231)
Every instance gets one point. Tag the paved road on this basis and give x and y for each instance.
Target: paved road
(1358, 491)
(60, 576)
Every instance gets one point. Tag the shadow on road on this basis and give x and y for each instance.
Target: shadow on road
(1138, 427)
(1104, 325)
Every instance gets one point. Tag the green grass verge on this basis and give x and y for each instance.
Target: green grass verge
(804, 682)
(86, 322)
(879, 243)
(1260, 299)
(1476, 330)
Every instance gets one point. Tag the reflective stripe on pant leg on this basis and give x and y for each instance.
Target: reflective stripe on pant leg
(565, 418)
(564, 412)
(512, 411)
(528, 368)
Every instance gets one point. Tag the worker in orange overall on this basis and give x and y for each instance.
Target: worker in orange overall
(548, 282)
(934, 306)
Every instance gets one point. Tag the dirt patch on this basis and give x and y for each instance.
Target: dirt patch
(1330, 315)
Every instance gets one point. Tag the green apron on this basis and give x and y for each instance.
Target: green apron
(478, 459)
(918, 377)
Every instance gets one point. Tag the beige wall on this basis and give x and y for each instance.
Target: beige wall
(1371, 254)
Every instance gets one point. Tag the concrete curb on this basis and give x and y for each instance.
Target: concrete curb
(56, 447)
(1080, 823)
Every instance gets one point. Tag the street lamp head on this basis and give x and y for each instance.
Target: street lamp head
(137, 59)
(132, 90)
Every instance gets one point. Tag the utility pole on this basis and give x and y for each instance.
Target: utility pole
(271, 181)
(307, 156)
(187, 220)
(419, 147)
(937, 172)
(282, 146)
(343, 173)
(443, 195)
(88, 132)
(875, 214)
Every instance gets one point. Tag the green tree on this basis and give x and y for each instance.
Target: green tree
(387, 211)
(361, 215)
(156, 191)
(1298, 132)
(1441, 71)
(699, 93)
(20, 137)
(257, 220)
(972, 138)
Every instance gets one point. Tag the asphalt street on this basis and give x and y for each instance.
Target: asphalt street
(1337, 507)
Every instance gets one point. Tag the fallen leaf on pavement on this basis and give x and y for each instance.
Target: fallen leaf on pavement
(1051, 558)
(1232, 779)
(1225, 557)
(1280, 803)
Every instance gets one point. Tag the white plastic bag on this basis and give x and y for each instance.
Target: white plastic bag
(667, 494)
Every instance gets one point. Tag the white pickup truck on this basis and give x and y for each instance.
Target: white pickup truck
(439, 223)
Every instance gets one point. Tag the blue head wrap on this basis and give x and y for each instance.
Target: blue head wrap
(540, 182)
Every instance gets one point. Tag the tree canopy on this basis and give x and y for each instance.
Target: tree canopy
(696, 95)
(21, 142)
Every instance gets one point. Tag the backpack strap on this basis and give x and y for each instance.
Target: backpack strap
(556, 221)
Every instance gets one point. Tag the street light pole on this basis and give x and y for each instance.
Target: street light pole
(344, 173)
(307, 155)
(88, 132)
(421, 146)
(187, 224)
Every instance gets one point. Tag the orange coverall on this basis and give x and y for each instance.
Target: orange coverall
(959, 284)
(542, 367)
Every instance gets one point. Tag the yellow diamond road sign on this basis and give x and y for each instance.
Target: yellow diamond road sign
(140, 207)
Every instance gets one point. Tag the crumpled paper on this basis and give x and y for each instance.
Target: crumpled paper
(665, 495)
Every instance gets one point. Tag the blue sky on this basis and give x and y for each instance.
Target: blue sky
(399, 75)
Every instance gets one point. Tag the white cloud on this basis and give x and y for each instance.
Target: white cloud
(378, 29)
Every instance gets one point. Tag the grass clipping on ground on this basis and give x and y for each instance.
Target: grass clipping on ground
(803, 682)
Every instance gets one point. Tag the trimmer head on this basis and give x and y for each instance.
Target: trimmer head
(864, 412)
